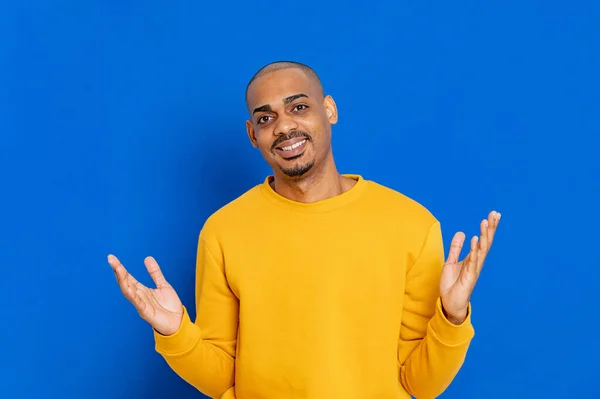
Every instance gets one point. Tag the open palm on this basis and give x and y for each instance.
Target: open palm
(459, 278)
(160, 307)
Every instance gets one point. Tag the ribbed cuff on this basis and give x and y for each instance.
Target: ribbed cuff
(450, 334)
(182, 341)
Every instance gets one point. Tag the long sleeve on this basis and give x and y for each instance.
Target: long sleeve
(431, 349)
(203, 352)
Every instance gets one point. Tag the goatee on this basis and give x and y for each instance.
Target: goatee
(297, 170)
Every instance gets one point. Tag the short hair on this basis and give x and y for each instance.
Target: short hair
(278, 65)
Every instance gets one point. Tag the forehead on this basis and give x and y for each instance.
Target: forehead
(273, 87)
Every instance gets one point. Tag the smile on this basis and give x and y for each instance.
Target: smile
(291, 148)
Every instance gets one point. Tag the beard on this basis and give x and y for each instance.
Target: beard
(300, 169)
(297, 170)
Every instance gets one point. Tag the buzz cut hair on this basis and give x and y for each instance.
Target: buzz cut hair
(278, 65)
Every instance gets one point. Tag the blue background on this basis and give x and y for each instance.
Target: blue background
(122, 129)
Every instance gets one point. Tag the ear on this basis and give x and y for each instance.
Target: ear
(330, 109)
(251, 133)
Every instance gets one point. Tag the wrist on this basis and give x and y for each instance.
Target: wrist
(456, 320)
(172, 327)
(454, 317)
(182, 341)
(448, 333)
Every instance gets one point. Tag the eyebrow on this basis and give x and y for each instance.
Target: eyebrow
(287, 100)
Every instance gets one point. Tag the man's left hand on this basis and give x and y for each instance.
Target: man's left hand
(459, 278)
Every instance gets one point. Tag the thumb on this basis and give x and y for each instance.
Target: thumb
(155, 272)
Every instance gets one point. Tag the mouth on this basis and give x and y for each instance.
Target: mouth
(292, 149)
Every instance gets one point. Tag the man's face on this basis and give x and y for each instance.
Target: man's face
(290, 121)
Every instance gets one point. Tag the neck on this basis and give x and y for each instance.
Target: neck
(318, 184)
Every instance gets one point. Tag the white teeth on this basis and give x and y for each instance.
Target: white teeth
(291, 147)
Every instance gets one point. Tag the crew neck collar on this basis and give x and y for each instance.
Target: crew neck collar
(321, 206)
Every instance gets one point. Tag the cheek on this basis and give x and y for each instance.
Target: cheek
(317, 128)
(264, 141)
(312, 124)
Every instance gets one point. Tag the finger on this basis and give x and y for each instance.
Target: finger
(135, 292)
(483, 243)
(455, 247)
(122, 274)
(140, 301)
(118, 269)
(155, 272)
(113, 262)
(470, 267)
(493, 220)
(484, 235)
(126, 281)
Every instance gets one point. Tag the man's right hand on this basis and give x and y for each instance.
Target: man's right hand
(161, 307)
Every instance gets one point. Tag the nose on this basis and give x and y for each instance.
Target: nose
(285, 125)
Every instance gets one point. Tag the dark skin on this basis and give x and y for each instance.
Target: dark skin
(285, 103)
(287, 108)
(288, 100)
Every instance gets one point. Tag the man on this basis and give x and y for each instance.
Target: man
(315, 284)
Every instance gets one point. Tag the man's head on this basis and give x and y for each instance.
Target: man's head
(290, 118)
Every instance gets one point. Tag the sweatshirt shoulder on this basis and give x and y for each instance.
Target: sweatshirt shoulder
(234, 213)
(398, 204)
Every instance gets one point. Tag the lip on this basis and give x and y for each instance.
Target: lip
(294, 152)
(289, 142)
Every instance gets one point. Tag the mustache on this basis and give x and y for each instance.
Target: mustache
(291, 135)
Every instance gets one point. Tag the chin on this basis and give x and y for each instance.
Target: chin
(298, 170)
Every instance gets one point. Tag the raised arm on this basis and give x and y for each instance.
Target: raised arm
(201, 352)
(436, 326)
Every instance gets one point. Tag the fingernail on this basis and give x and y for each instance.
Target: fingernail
(485, 222)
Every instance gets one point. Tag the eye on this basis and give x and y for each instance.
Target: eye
(301, 107)
(263, 119)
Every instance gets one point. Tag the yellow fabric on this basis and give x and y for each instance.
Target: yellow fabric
(334, 299)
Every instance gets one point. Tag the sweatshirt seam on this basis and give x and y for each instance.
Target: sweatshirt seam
(220, 352)
(185, 351)
(334, 205)
(219, 265)
(205, 243)
(447, 344)
(199, 340)
(434, 224)
(166, 340)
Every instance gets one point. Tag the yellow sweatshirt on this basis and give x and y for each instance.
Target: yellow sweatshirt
(337, 299)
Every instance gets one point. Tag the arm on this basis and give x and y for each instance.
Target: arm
(431, 350)
(203, 352)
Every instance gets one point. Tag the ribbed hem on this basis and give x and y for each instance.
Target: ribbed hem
(450, 334)
(182, 341)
